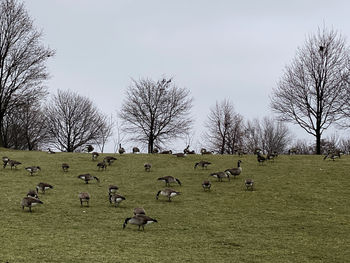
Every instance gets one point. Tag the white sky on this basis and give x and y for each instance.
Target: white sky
(217, 49)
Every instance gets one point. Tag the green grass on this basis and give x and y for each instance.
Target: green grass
(299, 211)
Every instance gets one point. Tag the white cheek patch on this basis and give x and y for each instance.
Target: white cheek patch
(173, 194)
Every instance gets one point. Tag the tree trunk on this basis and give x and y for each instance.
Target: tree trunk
(150, 144)
(318, 142)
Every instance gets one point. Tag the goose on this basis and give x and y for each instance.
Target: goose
(101, 166)
(155, 150)
(84, 197)
(148, 167)
(94, 155)
(65, 167)
(5, 160)
(49, 151)
(121, 149)
(179, 154)
(139, 211)
(32, 193)
(43, 187)
(109, 159)
(116, 199)
(135, 150)
(33, 169)
(168, 193)
(169, 179)
(89, 148)
(139, 220)
(29, 202)
(249, 183)
(13, 163)
(206, 185)
(88, 177)
(203, 164)
(112, 189)
(235, 171)
(261, 159)
(220, 175)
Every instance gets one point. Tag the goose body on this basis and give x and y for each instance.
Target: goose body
(30, 202)
(116, 199)
(94, 155)
(84, 197)
(140, 220)
(50, 151)
(135, 150)
(13, 163)
(169, 179)
(101, 166)
(32, 193)
(148, 167)
(179, 154)
(206, 185)
(169, 193)
(65, 167)
(249, 184)
(139, 211)
(203, 164)
(112, 189)
(235, 171)
(88, 177)
(109, 159)
(33, 169)
(43, 187)
(220, 176)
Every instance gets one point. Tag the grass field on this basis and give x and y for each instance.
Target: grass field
(299, 211)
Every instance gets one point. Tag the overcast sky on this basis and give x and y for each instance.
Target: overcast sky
(219, 50)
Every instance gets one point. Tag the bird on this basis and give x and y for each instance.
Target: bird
(13, 163)
(169, 179)
(140, 220)
(50, 151)
(43, 187)
(179, 154)
(112, 189)
(94, 155)
(89, 148)
(32, 193)
(261, 159)
(84, 197)
(33, 169)
(65, 167)
(147, 167)
(220, 175)
(88, 177)
(121, 149)
(206, 185)
(116, 199)
(109, 159)
(249, 183)
(135, 150)
(168, 193)
(29, 201)
(139, 211)
(5, 160)
(101, 166)
(235, 171)
(203, 164)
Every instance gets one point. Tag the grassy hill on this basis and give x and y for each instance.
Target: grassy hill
(299, 211)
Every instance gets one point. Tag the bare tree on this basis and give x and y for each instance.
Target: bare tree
(22, 60)
(275, 135)
(312, 89)
(253, 136)
(154, 112)
(223, 128)
(73, 121)
(106, 132)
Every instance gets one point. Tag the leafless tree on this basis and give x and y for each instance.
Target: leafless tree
(154, 112)
(275, 135)
(224, 128)
(253, 136)
(22, 60)
(73, 121)
(106, 132)
(311, 91)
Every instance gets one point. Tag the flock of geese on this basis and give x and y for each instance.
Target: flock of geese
(140, 218)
